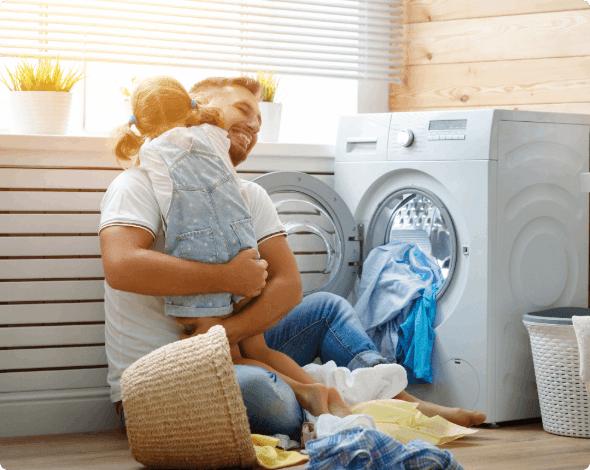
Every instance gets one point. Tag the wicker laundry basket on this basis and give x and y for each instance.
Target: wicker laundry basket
(564, 400)
(184, 409)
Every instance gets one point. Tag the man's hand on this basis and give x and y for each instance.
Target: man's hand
(247, 275)
(196, 326)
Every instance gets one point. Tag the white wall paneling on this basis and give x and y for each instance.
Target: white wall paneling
(50, 246)
(71, 312)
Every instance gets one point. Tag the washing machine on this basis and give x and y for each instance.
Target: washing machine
(494, 195)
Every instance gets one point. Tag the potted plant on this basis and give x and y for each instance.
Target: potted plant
(40, 97)
(126, 89)
(269, 110)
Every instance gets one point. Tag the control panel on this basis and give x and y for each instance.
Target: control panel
(448, 129)
(441, 135)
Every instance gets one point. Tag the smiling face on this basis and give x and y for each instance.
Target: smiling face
(241, 118)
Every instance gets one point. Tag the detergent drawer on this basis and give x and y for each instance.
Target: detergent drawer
(363, 138)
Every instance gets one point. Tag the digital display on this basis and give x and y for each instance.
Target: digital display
(447, 125)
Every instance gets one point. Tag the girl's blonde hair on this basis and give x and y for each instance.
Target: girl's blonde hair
(158, 105)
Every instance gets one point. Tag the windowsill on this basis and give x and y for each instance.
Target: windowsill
(94, 144)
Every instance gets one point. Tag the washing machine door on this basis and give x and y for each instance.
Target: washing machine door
(416, 215)
(321, 230)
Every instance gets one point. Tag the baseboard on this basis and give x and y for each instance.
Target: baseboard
(56, 412)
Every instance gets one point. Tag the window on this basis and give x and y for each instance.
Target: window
(326, 53)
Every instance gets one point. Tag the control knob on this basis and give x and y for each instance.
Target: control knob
(405, 137)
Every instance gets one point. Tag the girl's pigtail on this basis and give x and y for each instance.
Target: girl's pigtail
(203, 114)
(126, 144)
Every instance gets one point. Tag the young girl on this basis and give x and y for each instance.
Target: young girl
(183, 148)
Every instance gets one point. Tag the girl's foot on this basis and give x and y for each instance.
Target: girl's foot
(313, 397)
(336, 404)
(466, 418)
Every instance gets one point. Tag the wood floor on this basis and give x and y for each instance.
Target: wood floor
(519, 446)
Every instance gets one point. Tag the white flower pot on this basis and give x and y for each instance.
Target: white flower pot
(39, 112)
(271, 121)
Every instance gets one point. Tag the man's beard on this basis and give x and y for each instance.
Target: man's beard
(236, 154)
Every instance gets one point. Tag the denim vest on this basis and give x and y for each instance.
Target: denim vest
(208, 220)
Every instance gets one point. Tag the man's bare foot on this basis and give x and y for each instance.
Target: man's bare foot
(336, 404)
(313, 397)
(466, 418)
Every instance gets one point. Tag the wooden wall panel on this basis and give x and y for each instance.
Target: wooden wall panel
(573, 108)
(539, 35)
(496, 83)
(421, 11)
(530, 55)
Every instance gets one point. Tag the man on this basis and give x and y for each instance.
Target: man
(138, 274)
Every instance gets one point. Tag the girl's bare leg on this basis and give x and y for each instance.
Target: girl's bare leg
(314, 397)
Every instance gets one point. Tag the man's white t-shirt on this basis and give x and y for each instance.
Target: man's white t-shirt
(135, 324)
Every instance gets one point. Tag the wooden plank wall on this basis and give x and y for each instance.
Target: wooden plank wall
(528, 54)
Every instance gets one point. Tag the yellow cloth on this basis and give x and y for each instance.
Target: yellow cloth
(270, 457)
(402, 421)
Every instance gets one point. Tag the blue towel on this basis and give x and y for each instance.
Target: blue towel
(416, 338)
(368, 449)
(395, 277)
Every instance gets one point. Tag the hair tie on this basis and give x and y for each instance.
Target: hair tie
(132, 120)
(194, 104)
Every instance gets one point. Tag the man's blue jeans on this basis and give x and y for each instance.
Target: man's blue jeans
(323, 325)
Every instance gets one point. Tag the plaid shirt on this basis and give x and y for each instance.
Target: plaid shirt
(357, 448)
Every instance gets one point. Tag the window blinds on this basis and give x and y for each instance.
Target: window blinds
(358, 39)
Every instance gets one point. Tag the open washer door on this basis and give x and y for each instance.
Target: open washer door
(320, 230)
(416, 215)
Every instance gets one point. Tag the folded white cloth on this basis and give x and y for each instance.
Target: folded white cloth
(382, 381)
(325, 425)
(582, 329)
(330, 424)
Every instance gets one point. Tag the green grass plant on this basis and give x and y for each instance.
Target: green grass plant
(46, 75)
(269, 85)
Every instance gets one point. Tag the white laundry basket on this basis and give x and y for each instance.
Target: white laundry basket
(565, 404)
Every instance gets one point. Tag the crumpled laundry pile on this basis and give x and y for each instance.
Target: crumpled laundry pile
(402, 421)
(380, 434)
(379, 425)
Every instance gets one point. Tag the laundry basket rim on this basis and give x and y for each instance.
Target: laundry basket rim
(556, 316)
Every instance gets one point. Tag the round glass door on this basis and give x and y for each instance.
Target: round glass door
(320, 230)
(416, 216)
